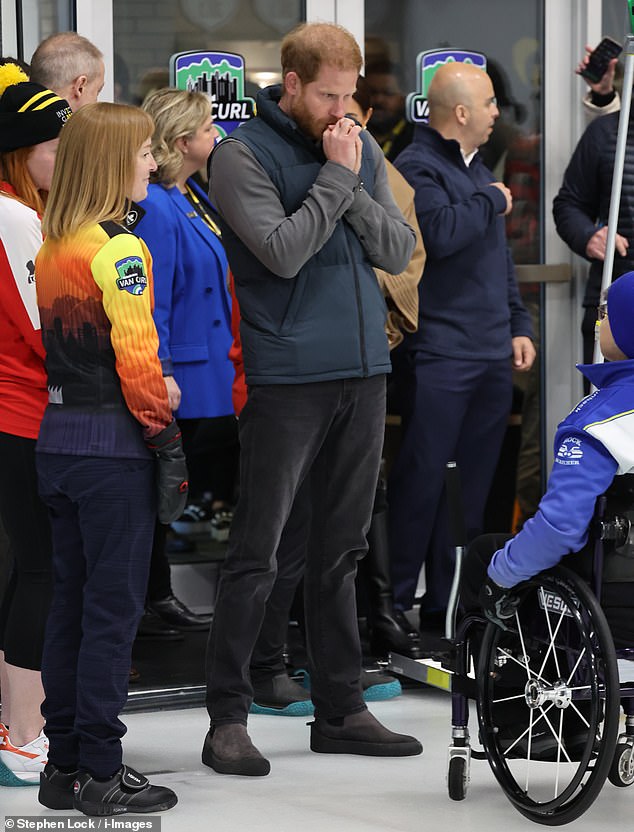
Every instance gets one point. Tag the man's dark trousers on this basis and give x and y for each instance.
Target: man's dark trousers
(334, 431)
(452, 409)
(267, 659)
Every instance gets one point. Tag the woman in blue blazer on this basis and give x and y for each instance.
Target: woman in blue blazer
(192, 308)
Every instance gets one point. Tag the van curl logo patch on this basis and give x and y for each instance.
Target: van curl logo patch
(132, 277)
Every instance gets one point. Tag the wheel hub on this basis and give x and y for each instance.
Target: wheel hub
(537, 694)
(626, 765)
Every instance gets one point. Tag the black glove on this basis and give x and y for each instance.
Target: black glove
(497, 603)
(172, 483)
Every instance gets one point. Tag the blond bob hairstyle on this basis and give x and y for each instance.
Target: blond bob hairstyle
(177, 114)
(95, 167)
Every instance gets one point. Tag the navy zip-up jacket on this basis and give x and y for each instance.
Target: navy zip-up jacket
(302, 234)
(470, 306)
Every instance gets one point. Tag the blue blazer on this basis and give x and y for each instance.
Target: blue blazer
(192, 308)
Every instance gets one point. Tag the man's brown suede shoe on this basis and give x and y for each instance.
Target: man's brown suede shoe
(228, 750)
(360, 733)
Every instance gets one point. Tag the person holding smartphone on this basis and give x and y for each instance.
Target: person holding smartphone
(598, 68)
(582, 205)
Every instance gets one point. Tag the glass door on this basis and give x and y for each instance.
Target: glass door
(143, 46)
(30, 21)
(512, 44)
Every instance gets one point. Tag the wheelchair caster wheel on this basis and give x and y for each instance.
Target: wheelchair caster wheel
(457, 778)
(622, 770)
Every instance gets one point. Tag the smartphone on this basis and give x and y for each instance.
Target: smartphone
(599, 60)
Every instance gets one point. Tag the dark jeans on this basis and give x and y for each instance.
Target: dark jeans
(452, 409)
(267, 659)
(27, 597)
(102, 517)
(334, 431)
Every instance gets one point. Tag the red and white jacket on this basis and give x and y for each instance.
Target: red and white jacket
(23, 394)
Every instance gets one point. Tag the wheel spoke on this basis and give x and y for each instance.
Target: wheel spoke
(532, 722)
(552, 635)
(524, 653)
(529, 750)
(530, 673)
(561, 726)
(509, 698)
(557, 738)
(580, 715)
(577, 663)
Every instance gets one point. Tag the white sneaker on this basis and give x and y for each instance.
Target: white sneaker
(221, 520)
(24, 762)
(195, 520)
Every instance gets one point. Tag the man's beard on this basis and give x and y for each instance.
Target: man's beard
(307, 123)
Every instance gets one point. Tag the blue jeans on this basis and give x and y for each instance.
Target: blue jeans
(102, 513)
(333, 431)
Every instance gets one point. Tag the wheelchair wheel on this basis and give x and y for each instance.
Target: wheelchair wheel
(549, 699)
(622, 769)
(457, 778)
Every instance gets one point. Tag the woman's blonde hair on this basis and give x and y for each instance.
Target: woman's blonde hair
(95, 166)
(176, 114)
(15, 171)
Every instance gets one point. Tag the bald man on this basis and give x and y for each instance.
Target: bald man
(70, 65)
(453, 377)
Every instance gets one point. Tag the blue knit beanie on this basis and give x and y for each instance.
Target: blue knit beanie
(621, 313)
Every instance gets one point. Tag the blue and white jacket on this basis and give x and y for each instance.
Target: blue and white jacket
(593, 444)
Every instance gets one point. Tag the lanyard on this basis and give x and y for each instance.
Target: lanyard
(396, 132)
(202, 211)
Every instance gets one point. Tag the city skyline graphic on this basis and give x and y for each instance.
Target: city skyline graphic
(220, 76)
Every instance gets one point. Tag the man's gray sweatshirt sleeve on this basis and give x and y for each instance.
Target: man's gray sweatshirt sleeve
(249, 202)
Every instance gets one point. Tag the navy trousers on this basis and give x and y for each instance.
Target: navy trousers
(102, 515)
(333, 431)
(451, 410)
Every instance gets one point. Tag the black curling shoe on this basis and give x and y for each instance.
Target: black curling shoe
(126, 792)
(56, 788)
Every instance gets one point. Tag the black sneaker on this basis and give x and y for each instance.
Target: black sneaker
(56, 788)
(127, 791)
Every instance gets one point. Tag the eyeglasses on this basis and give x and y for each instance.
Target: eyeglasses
(602, 311)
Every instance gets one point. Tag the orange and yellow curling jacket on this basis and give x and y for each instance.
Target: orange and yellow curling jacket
(107, 396)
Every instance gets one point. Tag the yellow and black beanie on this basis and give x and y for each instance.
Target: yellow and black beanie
(29, 113)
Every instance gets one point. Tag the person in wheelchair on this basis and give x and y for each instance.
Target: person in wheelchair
(547, 685)
(594, 454)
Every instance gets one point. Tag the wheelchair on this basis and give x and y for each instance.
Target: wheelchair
(546, 687)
